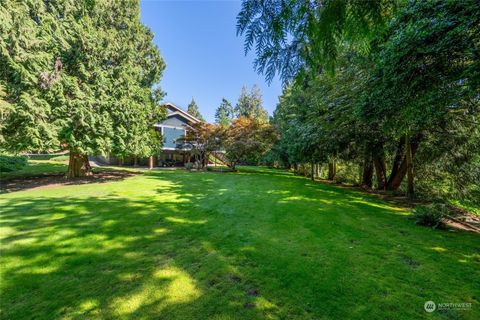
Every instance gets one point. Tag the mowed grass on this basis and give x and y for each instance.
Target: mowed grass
(41, 166)
(258, 244)
(36, 168)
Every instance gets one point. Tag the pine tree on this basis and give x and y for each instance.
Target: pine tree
(256, 101)
(243, 104)
(250, 105)
(79, 76)
(224, 113)
(194, 111)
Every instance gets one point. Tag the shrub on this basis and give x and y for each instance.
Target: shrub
(209, 168)
(189, 166)
(430, 215)
(347, 172)
(12, 163)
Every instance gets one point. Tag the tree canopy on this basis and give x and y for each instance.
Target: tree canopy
(407, 107)
(79, 75)
(194, 110)
(293, 36)
(247, 140)
(224, 113)
(250, 105)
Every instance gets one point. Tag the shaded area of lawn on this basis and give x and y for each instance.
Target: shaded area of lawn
(36, 168)
(259, 244)
(50, 171)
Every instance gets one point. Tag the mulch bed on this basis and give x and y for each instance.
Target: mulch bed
(462, 219)
(58, 179)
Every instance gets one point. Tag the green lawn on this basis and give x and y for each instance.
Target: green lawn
(258, 244)
(39, 166)
(36, 168)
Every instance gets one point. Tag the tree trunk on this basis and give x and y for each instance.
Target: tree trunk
(78, 166)
(317, 170)
(399, 168)
(409, 160)
(332, 170)
(312, 170)
(360, 174)
(135, 161)
(395, 178)
(367, 171)
(205, 160)
(295, 168)
(150, 162)
(380, 171)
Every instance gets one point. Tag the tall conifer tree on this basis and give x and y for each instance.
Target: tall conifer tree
(224, 113)
(250, 105)
(194, 111)
(79, 75)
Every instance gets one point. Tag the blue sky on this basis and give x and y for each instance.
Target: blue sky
(204, 57)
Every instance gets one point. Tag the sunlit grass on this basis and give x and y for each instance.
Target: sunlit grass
(258, 244)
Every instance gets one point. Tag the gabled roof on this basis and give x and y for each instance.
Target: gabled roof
(176, 110)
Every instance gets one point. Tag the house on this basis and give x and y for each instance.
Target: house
(175, 126)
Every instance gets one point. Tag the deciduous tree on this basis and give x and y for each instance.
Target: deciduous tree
(248, 139)
(202, 139)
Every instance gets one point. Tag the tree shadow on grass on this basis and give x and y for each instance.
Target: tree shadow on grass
(332, 234)
(107, 258)
(228, 246)
(51, 180)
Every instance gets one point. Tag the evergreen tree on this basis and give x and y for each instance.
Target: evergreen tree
(194, 111)
(425, 87)
(294, 37)
(243, 103)
(79, 76)
(224, 113)
(250, 105)
(406, 113)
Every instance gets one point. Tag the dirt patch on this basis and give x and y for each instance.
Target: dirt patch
(461, 219)
(58, 179)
